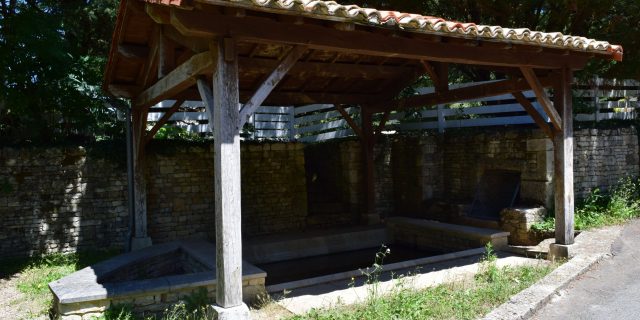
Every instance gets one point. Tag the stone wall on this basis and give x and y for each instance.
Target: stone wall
(412, 172)
(63, 199)
(60, 200)
(604, 156)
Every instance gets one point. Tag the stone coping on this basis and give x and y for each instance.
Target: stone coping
(453, 229)
(300, 245)
(83, 285)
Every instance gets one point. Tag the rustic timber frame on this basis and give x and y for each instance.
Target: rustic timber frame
(237, 55)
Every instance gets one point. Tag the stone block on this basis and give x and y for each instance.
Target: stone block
(518, 222)
(240, 312)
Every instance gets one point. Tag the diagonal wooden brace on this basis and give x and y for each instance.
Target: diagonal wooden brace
(542, 96)
(270, 83)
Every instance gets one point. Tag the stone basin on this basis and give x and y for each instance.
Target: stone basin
(148, 280)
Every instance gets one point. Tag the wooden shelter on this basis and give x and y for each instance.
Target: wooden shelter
(236, 55)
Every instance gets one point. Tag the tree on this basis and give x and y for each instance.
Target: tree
(52, 55)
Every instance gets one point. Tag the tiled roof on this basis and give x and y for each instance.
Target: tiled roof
(425, 24)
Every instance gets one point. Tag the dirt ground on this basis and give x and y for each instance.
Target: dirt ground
(13, 305)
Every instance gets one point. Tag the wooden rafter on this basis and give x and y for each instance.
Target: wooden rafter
(181, 78)
(163, 120)
(439, 74)
(270, 83)
(462, 94)
(319, 69)
(542, 96)
(265, 30)
(350, 121)
(535, 115)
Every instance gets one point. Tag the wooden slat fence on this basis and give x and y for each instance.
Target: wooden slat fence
(595, 100)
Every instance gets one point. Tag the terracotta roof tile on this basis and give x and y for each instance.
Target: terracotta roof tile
(425, 24)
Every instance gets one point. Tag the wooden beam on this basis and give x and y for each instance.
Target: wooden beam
(163, 120)
(270, 83)
(533, 112)
(543, 99)
(207, 97)
(133, 51)
(563, 163)
(461, 94)
(166, 54)
(147, 73)
(368, 144)
(439, 74)
(265, 30)
(288, 98)
(350, 121)
(181, 78)
(227, 179)
(322, 69)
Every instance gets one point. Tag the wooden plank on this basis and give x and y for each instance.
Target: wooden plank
(265, 30)
(462, 94)
(535, 115)
(563, 163)
(181, 78)
(228, 220)
(272, 110)
(270, 83)
(162, 121)
(328, 136)
(338, 124)
(313, 107)
(350, 121)
(283, 126)
(543, 99)
(323, 116)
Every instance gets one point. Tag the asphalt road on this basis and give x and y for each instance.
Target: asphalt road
(610, 290)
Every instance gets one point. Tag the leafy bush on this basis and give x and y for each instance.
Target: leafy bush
(599, 209)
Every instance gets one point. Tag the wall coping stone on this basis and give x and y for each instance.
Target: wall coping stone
(83, 285)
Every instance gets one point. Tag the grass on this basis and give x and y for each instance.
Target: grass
(36, 273)
(620, 204)
(491, 287)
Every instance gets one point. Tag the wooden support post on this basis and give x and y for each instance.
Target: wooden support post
(140, 238)
(533, 112)
(563, 162)
(227, 183)
(368, 143)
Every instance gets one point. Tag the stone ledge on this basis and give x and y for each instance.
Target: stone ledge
(457, 230)
(84, 286)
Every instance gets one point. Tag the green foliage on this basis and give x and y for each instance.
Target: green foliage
(459, 300)
(52, 55)
(36, 273)
(168, 132)
(599, 209)
(194, 307)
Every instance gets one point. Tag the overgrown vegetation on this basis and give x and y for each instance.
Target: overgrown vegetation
(616, 206)
(36, 273)
(461, 300)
